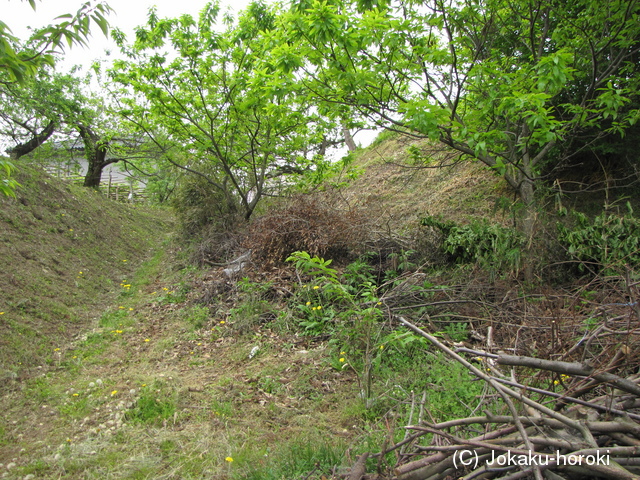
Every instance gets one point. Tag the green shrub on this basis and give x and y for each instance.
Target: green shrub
(491, 246)
(608, 243)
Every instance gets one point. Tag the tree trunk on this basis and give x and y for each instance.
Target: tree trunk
(348, 139)
(94, 173)
(527, 226)
(38, 139)
(96, 153)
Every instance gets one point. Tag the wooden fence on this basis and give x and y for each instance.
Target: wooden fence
(120, 189)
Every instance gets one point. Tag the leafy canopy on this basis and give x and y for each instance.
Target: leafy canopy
(202, 88)
(19, 62)
(504, 82)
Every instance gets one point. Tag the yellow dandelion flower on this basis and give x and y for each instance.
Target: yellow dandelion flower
(80, 273)
(130, 309)
(153, 293)
(342, 360)
(121, 307)
(319, 307)
(144, 384)
(308, 303)
(114, 393)
(556, 382)
(146, 340)
(228, 459)
(222, 322)
(199, 343)
(165, 289)
(71, 229)
(379, 303)
(381, 347)
(56, 349)
(74, 357)
(1, 313)
(75, 394)
(316, 287)
(124, 260)
(343, 353)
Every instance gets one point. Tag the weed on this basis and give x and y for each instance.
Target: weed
(456, 331)
(168, 447)
(153, 405)
(197, 316)
(115, 319)
(224, 409)
(40, 390)
(252, 307)
(76, 407)
(169, 297)
(292, 459)
(270, 385)
(359, 272)
(4, 438)
(328, 302)
(495, 248)
(401, 263)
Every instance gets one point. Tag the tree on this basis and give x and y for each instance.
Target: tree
(239, 126)
(19, 63)
(504, 82)
(32, 111)
(61, 103)
(106, 140)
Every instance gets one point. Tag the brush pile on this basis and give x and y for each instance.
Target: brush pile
(570, 412)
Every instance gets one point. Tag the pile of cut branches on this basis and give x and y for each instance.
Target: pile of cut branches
(574, 415)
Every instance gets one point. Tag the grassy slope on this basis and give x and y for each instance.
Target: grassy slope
(64, 251)
(155, 380)
(81, 354)
(401, 193)
(148, 383)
